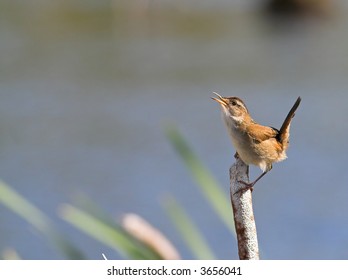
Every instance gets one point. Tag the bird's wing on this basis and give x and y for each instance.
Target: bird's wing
(261, 133)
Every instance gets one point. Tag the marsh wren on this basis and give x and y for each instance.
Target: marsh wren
(254, 143)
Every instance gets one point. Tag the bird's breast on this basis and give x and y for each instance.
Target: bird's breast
(247, 149)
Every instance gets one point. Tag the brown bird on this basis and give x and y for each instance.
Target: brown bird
(254, 143)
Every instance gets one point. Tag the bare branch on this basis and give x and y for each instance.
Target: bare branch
(243, 212)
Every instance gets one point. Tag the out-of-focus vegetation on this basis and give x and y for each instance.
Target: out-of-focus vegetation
(103, 229)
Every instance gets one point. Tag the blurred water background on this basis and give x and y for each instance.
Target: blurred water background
(87, 88)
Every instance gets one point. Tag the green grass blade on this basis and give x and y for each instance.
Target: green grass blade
(204, 179)
(23, 208)
(34, 216)
(191, 235)
(111, 235)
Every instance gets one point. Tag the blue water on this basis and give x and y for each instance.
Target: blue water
(85, 98)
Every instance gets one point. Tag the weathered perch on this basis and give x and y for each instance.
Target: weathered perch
(243, 212)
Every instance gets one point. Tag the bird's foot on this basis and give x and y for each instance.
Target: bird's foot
(247, 186)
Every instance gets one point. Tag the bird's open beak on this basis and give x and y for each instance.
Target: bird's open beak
(220, 99)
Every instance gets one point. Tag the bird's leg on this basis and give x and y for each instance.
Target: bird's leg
(236, 156)
(249, 186)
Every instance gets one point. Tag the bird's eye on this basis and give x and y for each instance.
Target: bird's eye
(234, 103)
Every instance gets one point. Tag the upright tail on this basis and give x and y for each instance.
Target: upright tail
(283, 135)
